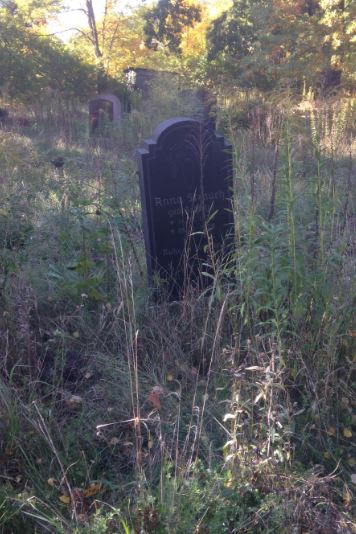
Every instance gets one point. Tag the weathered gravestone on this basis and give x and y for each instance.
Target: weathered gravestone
(185, 182)
(141, 80)
(102, 109)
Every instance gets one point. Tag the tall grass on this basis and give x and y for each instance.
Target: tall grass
(231, 411)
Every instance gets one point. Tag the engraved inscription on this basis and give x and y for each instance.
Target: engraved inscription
(164, 202)
(172, 252)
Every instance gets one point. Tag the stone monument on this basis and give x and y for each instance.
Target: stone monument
(104, 107)
(186, 194)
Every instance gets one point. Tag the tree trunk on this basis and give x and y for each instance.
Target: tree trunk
(93, 28)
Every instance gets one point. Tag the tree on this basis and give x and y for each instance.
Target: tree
(31, 13)
(270, 43)
(234, 44)
(121, 43)
(33, 62)
(164, 24)
(234, 32)
(337, 27)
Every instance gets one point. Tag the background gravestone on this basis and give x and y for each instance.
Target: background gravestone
(185, 182)
(103, 108)
(140, 79)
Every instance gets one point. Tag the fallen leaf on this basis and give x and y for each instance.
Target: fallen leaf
(52, 482)
(65, 499)
(346, 495)
(76, 334)
(93, 489)
(331, 431)
(169, 378)
(74, 400)
(347, 433)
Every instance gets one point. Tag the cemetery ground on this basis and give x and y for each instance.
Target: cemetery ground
(233, 410)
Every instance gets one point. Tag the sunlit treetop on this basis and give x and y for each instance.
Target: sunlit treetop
(32, 12)
(165, 23)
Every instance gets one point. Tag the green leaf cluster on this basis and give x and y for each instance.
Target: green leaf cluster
(165, 23)
(33, 62)
(271, 44)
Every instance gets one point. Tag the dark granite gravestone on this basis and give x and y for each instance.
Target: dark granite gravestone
(185, 182)
(104, 108)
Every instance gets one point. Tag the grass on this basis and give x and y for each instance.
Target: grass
(227, 412)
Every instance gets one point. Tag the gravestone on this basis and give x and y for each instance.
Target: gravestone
(185, 182)
(102, 109)
(140, 79)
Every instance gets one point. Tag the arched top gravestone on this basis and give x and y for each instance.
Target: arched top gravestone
(104, 107)
(185, 182)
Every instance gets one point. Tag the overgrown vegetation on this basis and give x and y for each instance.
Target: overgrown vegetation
(233, 410)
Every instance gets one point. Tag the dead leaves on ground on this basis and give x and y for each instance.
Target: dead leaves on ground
(89, 491)
(77, 500)
(78, 495)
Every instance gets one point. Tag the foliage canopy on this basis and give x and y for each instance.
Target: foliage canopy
(273, 43)
(33, 62)
(165, 23)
